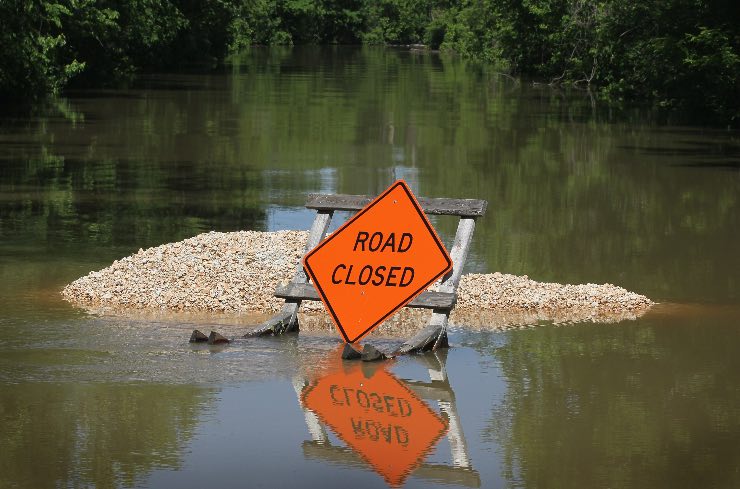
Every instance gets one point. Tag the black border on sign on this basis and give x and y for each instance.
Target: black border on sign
(309, 271)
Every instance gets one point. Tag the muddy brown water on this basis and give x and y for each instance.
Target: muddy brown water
(577, 193)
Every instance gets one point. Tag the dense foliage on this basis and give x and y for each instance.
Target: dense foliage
(676, 53)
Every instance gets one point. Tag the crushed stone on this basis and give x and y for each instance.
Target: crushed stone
(237, 272)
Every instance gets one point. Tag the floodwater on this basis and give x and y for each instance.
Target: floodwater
(577, 193)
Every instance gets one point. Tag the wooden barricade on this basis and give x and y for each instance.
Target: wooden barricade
(440, 302)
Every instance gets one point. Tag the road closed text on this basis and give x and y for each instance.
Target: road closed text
(379, 275)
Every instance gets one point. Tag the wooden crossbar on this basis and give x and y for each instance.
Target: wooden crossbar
(425, 300)
(441, 301)
(438, 206)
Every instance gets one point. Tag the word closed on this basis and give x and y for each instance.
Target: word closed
(377, 262)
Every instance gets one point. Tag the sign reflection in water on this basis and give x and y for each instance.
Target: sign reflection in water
(384, 422)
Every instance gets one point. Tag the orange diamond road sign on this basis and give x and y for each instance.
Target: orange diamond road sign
(377, 262)
(378, 417)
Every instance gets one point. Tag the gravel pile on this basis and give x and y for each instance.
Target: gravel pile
(513, 292)
(237, 273)
(228, 272)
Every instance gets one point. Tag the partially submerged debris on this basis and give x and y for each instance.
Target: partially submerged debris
(217, 339)
(372, 354)
(285, 322)
(430, 338)
(350, 352)
(198, 337)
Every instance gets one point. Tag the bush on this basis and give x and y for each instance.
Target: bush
(676, 53)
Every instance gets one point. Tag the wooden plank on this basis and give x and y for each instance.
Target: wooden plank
(427, 300)
(429, 338)
(317, 233)
(438, 206)
(283, 322)
(286, 321)
(459, 254)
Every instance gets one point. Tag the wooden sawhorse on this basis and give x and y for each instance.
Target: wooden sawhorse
(440, 302)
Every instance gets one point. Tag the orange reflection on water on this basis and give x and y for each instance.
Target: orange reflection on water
(376, 415)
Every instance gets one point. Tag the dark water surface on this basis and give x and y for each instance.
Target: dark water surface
(576, 195)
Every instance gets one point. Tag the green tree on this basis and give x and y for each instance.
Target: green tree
(32, 40)
(678, 54)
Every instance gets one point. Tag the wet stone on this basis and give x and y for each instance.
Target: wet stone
(198, 337)
(217, 339)
(372, 354)
(350, 353)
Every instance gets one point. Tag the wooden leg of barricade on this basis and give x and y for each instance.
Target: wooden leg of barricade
(432, 337)
(286, 321)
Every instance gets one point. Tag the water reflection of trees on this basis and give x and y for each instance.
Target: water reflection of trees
(96, 193)
(576, 195)
(93, 435)
(573, 196)
(632, 406)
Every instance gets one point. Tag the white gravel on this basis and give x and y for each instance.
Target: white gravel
(237, 272)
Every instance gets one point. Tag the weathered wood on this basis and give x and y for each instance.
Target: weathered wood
(286, 321)
(317, 233)
(424, 340)
(437, 206)
(458, 254)
(426, 300)
(283, 322)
